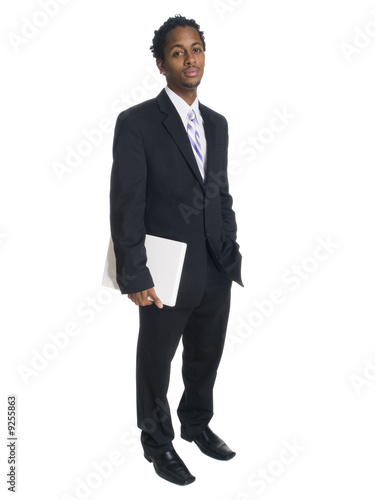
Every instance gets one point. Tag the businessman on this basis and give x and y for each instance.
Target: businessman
(169, 179)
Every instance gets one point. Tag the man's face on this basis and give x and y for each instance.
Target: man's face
(184, 58)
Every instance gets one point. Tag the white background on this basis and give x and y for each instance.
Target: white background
(305, 374)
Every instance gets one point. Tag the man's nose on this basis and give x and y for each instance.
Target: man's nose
(190, 58)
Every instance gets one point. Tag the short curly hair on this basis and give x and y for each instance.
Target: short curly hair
(158, 42)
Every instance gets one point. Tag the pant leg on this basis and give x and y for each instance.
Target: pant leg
(159, 334)
(203, 342)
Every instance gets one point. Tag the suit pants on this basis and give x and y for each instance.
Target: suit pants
(203, 330)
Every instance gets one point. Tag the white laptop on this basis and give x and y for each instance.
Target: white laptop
(165, 259)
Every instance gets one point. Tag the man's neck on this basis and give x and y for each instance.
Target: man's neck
(188, 96)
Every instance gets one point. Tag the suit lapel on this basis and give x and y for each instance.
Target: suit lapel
(173, 124)
(210, 133)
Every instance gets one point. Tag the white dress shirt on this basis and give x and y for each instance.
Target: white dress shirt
(183, 110)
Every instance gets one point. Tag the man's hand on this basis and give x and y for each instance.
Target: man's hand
(146, 298)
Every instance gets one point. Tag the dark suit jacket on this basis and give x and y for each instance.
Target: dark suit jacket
(156, 188)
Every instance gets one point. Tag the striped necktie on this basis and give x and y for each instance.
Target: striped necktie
(194, 138)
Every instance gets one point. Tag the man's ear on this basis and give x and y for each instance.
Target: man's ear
(160, 65)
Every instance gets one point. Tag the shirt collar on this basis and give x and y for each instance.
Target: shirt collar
(182, 106)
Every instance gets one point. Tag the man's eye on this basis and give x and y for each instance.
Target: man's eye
(197, 50)
(176, 54)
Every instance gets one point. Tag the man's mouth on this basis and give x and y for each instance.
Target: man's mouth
(191, 72)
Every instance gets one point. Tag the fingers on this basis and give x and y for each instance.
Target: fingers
(140, 298)
(145, 298)
(155, 298)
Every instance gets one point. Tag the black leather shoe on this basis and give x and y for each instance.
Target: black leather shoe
(210, 444)
(170, 467)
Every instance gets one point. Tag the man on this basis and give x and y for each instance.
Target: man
(169, 179)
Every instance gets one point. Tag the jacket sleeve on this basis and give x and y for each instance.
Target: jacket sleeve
(230, 257)
(127, 206)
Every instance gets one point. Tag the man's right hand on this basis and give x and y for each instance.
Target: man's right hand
(146, 298)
